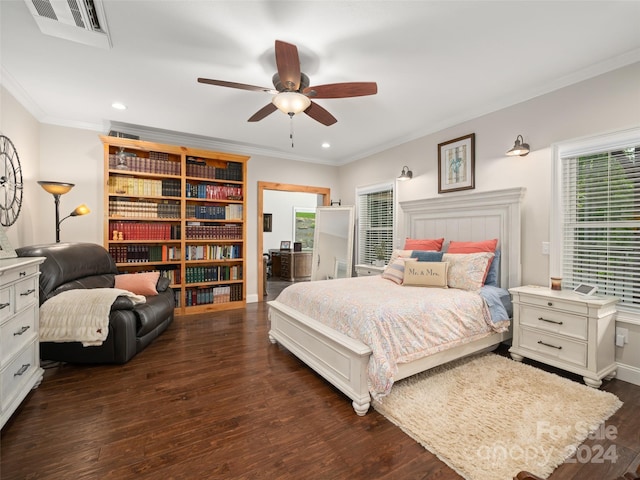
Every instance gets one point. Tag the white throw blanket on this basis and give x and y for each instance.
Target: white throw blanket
(80, 315)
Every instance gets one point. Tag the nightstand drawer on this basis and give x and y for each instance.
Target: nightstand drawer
(16, 274)
(363, 270)
(17, 372)
(554, 321)
(556, 304)
(552, 346)
(16, 333)
(26, 292)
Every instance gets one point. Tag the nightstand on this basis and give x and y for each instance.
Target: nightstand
(365, 270)
(566, 330)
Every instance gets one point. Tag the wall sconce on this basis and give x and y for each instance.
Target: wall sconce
(519, 148)
(60, 188)
(406, 174)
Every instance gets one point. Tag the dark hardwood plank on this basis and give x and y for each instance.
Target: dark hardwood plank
(212, 398)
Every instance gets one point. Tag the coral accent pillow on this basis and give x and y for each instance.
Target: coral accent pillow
(139, 283)
(434, 244)
(472, 247)
(425, 274)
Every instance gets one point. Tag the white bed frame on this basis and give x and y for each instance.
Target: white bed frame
(342, 360)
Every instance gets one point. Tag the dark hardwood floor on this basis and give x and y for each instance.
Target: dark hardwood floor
(212, 399)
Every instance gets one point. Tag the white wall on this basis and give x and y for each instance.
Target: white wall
(281, 204)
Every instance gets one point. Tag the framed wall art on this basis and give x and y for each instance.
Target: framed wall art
(456, 164)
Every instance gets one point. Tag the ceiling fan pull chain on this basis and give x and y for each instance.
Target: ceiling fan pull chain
(291, 128)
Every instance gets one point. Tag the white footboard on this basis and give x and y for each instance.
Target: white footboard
(341, 360)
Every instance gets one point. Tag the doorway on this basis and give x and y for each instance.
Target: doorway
(325, 193)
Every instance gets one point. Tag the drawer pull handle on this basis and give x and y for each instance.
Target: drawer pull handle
(28, 292)
(550, 304)
(4, 305)
(23, 369)
(549, 321)
(22, 274)
(22, 330)
(549, 345)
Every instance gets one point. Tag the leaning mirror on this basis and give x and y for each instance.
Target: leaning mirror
(333, 243)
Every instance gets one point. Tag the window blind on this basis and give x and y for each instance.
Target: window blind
(601, 231)
(375, 223)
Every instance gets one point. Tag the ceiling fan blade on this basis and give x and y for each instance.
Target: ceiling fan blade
(342, 90)
(268, 109)
(241, 86)
(288, 63)
(319, 114)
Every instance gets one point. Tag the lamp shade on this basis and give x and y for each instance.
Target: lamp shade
(519, 148)
(56, 188)
(80, 210)
(291, 102)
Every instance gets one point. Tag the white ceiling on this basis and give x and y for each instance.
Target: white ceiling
(436, 63)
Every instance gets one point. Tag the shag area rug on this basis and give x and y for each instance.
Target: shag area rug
(489, 417)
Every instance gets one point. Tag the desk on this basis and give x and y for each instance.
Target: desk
(291, 266)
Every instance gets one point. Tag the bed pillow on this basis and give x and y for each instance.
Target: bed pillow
(434, 244)
(425, 274)
(472, 247)
(395, 270)
(427, 256)
(139, 283)
(467, 271)
(494, 271)
(399, 254)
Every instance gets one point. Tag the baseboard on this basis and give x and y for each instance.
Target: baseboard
(628, 373)
(253, 298)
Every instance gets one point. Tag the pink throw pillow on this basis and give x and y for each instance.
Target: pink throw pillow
(139, 283)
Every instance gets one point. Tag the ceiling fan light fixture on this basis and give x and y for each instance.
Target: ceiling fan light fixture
(291, 103)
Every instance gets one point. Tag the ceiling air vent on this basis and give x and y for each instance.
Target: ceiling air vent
(81, 21)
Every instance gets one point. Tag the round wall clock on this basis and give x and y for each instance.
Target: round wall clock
(10, 182)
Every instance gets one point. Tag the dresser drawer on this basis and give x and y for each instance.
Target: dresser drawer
(556, 303)
(17, 372)
(5, 303)
(18, 273)
(554, 321)
(552, 346)
(26, 292)
(17, 333)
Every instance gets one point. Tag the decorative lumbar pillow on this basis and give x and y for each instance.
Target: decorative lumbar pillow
(395, 271)
(425, 274)
(434, 244)
(467, 271)
(143, 283)
(399, 254)
(427, 256)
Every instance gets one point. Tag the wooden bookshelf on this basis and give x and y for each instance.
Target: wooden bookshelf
(181, 211)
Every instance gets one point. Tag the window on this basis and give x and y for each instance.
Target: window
(375, 223)
(597, 185)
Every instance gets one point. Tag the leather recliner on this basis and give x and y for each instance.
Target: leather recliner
(86, 265)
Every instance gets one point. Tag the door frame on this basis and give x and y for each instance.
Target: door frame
(283, 187)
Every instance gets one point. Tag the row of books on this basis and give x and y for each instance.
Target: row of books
(128, 208)
(197, 167)
(144, 253)
(145, 165)
(215, 212)
(212, 252)
(197, 231)
(213, 192)
(144, 231)
(124, 185)
(213, 273)
(217, 294)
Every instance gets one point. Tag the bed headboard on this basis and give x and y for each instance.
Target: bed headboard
(470, 217)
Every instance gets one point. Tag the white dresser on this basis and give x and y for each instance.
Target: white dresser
(566, 330)
(366, 270)
(19, 348)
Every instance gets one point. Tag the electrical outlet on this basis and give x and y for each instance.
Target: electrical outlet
(545, 248)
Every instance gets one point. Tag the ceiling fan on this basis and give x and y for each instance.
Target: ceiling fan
(292, 93)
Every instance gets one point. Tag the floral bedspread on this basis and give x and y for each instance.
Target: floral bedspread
(399, 323)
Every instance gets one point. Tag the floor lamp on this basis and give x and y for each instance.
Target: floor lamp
(60, 188)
